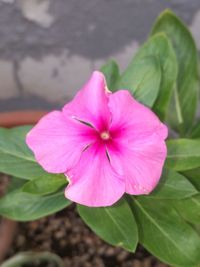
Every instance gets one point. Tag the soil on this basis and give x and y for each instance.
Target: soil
(65, 234)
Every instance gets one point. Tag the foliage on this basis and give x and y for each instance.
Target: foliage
(163, 75)
(30, 258)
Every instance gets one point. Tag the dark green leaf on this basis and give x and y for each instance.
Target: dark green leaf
(174, 116)
(189, 209)
(21, 206)
(111, 72)
(16, 158)
(142, 79)
(165, 234)
(195, 131)
(194, 176)
(45, 185)
(115, 224)
(188, 74)
(173, 185)
(160, 47)
(183, 154)
(14, 184)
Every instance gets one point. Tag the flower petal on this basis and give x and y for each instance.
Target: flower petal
(138, 150)
(133, 120)
(91, 103)
(93, 182)
(58, 142)
(140, 164)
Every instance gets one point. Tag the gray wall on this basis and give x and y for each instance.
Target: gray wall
(48, 48)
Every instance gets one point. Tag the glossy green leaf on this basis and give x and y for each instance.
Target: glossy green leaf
(142, 78)
(45, 185)
(165, 234)
(115, 224)
(160, 47)
(194, 177)
(187, 58)
(183, 154)
(16, 158)
(111, 72)
(21, 206)
(189, 209)
(173, 185)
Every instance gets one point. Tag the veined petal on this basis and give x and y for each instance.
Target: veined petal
(93, 181)
(133, 121)
(58, 141)
(138, 150)
(140, 164)
(90, 105)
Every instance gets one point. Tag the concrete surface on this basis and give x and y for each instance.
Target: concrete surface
(48, 48)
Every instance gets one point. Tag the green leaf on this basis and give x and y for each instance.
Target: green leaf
(160, 47)
(115, 224)
(33, 258)
(189, 209)
(187, 57)
(195, 131)
(174, 115)
(111, 72)
(183, 154)
(21, 206)
(173, 185)
(45, 185)
(194, 177)
(142, 78)
(14, 184)
(165, 234)
(16, 158)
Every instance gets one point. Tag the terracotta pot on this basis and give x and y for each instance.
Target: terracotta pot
(8, 229)
(12, 119)
(18, 118)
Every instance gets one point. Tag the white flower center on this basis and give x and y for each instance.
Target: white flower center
(105, 135)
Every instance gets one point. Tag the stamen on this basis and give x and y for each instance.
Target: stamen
(105, 135)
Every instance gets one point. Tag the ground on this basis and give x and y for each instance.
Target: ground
(65, 234)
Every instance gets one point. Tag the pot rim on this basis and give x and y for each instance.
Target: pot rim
(19, 118)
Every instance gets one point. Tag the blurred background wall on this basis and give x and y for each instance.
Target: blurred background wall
(48, 48)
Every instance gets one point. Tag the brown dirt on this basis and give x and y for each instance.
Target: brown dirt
(65, 234)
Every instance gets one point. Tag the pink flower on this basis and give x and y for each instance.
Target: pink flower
(105, 143)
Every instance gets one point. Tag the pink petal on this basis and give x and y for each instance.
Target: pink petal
(91, 103)
(58, 142)
(93, 182)
(140, 164)
(138, 150)
(133, 120)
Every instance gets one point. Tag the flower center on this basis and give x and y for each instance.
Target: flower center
(105, 135)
